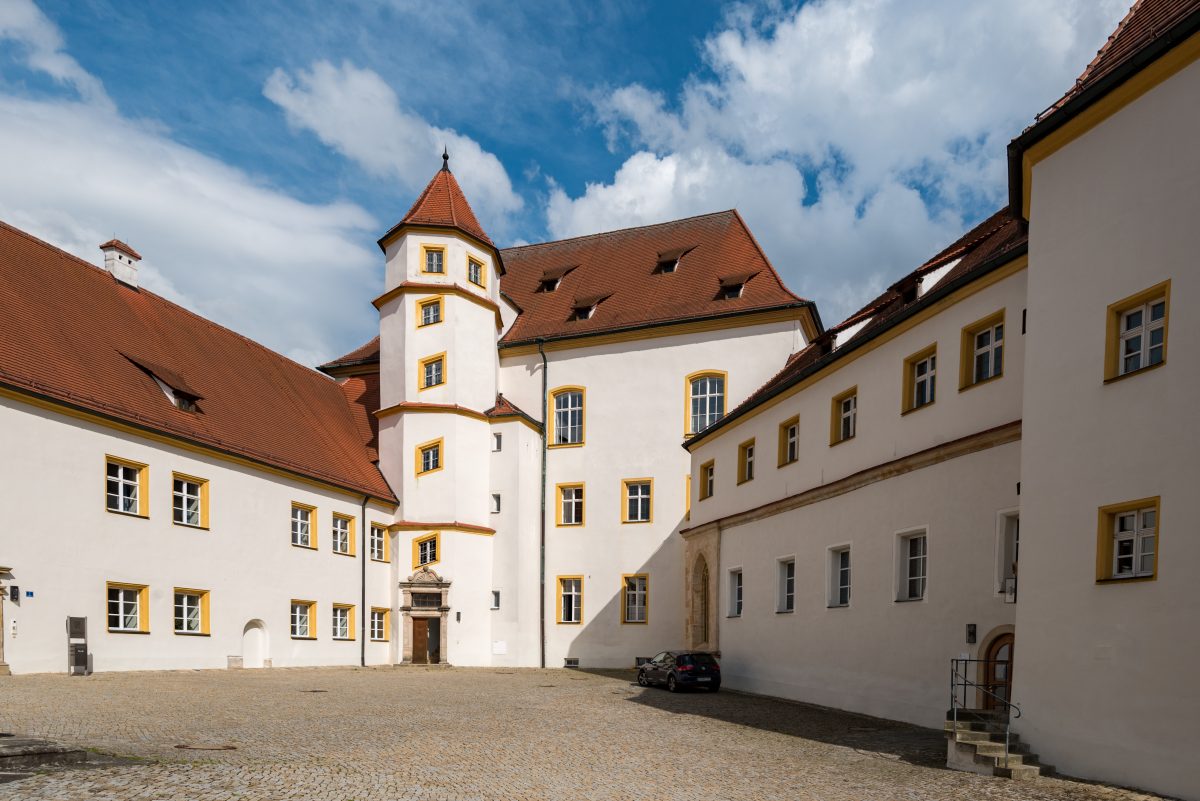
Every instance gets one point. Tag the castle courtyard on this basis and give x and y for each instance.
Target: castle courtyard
(483, 733)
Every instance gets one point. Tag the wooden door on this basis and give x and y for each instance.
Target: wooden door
(998, 667)
(420, 644)
(434, 639)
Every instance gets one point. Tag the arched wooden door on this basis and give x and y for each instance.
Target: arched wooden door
(700, 602)
(998, 672)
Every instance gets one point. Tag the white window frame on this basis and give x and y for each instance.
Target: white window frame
(128, 602)
(431, 312)
(378, 625)
(1144, 331)
(497, 442)
(339, 534)
(575, 593)
(924, 381)
(792, 443)
(441, 261)
(839, 576)
(635, 599)
(475, 271)
(710, 480)
(435, 373)
(301, 620)
(191, 604)
(787, 584)
(568, 417)
(638, 501)
(186, 505)
(912, 567)
(431, 457)
(1142, 539)
(571, 507)
(378, 543)
(736, 590)
(1008, 523)
(427, 551)
(302, 526)
(340, 623)
(992, 352)
(707, 401)
(748, 463)
(848, 417)
(126, 482)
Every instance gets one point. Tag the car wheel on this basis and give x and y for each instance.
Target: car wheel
(672, 685)
(642, 678)
(716, 688)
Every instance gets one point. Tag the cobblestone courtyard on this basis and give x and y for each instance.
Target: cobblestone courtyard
(411, 733)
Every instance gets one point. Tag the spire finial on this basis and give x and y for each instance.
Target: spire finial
(445, 159)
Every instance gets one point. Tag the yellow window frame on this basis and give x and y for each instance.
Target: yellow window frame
(625, 483)
(909, 379)
(143, 483)
(966, 351)
(350, 623)
(1106, 517)
(351, 534)
(312, 618)
(425, 251)
(782, 449)
(483, 276)
(387, 544)
(744, 461)
(387, 624)
(625, 607)
(705, 494)
(436, 538)
(421, 385)
(204, 631)
(436, 300)
(143, 595)
(687, 396)
(558, 607)
(551, 434)
(835, 416)
(558, 504)
(440, 443)
(312, 525)
(203, 482)
(1112, 329)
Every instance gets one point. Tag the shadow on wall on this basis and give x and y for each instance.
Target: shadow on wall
(602, 631)
(874, 738)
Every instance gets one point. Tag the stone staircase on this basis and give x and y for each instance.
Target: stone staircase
(976, 744)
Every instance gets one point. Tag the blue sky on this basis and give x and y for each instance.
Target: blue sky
(254, 151)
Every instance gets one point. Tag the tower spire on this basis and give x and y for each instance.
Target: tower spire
(445, 159)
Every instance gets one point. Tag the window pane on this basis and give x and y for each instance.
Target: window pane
(1133, 320)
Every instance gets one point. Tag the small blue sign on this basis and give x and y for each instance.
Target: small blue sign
(28, 593)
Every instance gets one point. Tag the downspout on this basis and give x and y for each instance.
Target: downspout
(542, 538)
(363, 612)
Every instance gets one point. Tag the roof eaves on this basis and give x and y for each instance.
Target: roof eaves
(941, 291)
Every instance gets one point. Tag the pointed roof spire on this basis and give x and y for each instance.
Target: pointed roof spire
(443, 205)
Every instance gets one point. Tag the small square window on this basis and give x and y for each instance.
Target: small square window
(570, 505)
(495, 503)
(431, 311)
(982, 351)
(920, 379)
(303, 616)
(435, 260)
(432, 371)
(125, 487)
(475, 272)
(128, 608)
(638, 500)
(191, 611)
(497, 442)
(189, 501)
(495, 599)
(1127, 542)
(426, 550)
(429, 457)
(1137, 332)
(844, 423)
(343, 622)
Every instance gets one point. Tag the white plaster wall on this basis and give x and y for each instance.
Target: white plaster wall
(883, 432)
(1107, 672)
(635, 406)
(403, 262)
(878, 656)
(63, 546)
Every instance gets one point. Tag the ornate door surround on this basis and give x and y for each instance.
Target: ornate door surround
(424, 583)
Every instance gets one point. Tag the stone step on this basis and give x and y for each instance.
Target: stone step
(19, 753)
(997, 760)
(997, 749)
(976, 714)
(973, 725)
(974, 736)
(1021, 772)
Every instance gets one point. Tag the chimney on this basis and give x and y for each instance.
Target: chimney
(122, 261)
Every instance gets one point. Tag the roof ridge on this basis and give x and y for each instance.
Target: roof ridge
(619, 230)
(754, 240)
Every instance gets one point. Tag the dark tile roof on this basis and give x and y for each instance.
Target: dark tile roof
(362, 355)
(72, 333)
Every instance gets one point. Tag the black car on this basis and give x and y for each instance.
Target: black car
(679, 669)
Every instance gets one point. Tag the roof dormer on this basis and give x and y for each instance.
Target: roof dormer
(122, 261)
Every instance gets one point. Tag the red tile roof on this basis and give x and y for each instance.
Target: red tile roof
(362, 355)
(994, 241)
(74, 335)
(362, 393)
(121, 246)
(444, 205)
(621, 267)
(1146, 22)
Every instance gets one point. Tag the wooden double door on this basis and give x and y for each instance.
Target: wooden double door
(427, 640)
(998, 667)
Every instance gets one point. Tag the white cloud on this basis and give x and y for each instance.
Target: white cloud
(215, 239)
(355, 112)
(874, 97)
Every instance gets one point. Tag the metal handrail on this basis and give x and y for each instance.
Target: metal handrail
(961, 679)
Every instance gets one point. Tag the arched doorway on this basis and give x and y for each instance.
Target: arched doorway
(700, 602)
(997, 678)
(255, 645)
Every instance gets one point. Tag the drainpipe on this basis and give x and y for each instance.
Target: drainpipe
(542, 543)
(363, 613)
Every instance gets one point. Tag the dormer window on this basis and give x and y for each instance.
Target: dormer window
(552, 277)
(732, 286)
(171, 384)
(668, 260)
(584, 308)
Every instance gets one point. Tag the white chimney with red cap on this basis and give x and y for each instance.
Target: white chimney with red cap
(122, 261)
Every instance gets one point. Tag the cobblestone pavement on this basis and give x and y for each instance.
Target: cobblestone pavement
(414, 733)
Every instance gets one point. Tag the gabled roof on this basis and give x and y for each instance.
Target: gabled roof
(443, 205)
(994, 242)
(362, 355)
(78, 338)
(121, 246)
(622, 265)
